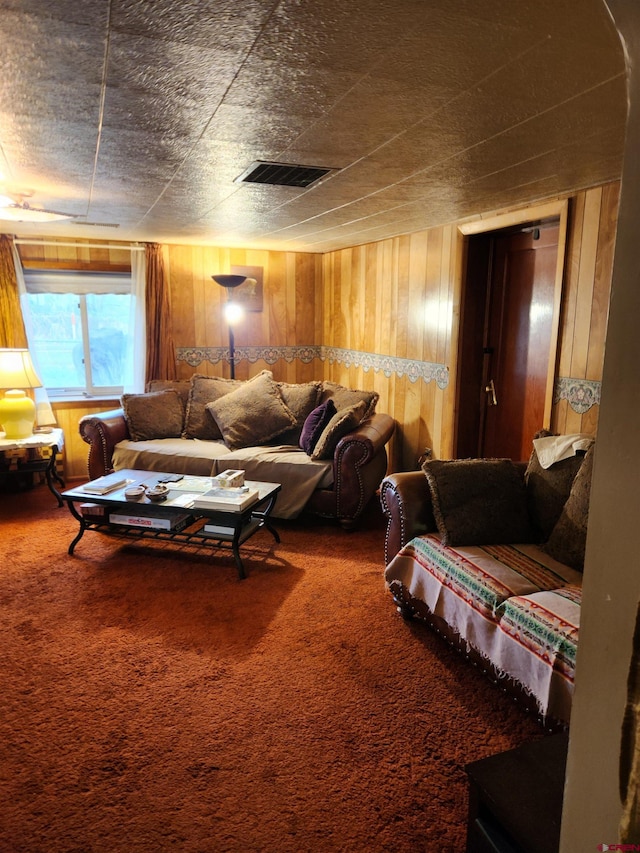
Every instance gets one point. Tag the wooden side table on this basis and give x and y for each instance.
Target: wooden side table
(36, 454)
(515, 798)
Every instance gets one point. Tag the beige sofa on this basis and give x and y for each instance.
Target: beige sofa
(206, 425)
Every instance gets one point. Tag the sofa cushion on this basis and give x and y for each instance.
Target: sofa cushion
(157, 414)
(252, 414)
(478, 501)
(568, 537)
(548, 490)
(346, 397)
(341, 423)
(314, 425)
(198, 423)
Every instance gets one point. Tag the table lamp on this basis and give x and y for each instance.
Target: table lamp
(17, 410)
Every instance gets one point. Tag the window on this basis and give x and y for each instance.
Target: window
(80, 330)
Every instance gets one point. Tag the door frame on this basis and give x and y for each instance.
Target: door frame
(528, 216)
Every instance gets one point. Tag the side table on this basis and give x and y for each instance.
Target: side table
(34, 454)
(515, 798)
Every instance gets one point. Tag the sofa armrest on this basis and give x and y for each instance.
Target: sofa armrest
(406, 503)
(102, 432)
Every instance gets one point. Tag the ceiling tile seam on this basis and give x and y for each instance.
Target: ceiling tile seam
(424, 172)
(103, 97)
(211, 118)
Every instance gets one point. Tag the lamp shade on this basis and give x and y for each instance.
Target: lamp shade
(17, 370)
(17, 411)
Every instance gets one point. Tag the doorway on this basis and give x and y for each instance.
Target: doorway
(508, 337)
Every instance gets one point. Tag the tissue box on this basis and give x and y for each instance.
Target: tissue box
(229, 479)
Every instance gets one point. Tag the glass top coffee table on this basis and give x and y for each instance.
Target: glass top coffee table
(188, 514)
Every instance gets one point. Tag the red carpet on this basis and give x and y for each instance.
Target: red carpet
(151, 701)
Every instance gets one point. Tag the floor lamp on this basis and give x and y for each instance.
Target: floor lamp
(233, 312)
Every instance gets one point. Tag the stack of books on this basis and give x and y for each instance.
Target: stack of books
(175, 522)
(229, 500)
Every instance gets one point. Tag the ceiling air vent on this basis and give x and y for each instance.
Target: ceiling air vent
(282, 174)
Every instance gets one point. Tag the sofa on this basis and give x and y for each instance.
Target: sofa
(490, 553)
(324, 443)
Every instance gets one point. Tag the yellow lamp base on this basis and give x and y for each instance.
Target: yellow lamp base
(17, 414)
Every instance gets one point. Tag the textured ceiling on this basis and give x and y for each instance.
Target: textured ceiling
(142, 113)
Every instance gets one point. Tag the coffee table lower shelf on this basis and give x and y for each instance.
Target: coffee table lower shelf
(195, 538)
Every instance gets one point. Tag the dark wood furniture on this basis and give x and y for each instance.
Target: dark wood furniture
(34, 455)
(515, 798)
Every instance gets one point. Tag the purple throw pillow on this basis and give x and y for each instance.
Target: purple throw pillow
(315, 423)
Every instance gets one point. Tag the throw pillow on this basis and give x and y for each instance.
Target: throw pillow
(205, 389)
(158, 414)
(301, 398)
(568, 538)
(315, 424)
(252, 414)
(548, 490)
(478, 501)
(182, 386)
(345, 397)
(340, 424)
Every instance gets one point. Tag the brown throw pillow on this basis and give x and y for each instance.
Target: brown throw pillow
(568, 538)
(346, 397)
(158, 414)
(340, 424)
(478, 501)
(182, 386)
(548, 490)
(198, 423)
(252, 414)
(301, 398)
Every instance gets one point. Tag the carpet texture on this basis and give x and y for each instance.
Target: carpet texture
(151, 701)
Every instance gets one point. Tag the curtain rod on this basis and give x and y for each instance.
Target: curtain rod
(133, 247)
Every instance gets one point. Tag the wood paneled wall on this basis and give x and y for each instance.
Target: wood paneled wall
(401, 298)
(397, 298)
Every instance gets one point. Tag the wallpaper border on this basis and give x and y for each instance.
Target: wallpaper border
(580, 394)
(389, 365)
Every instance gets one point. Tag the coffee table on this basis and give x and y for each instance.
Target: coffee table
(173, 519)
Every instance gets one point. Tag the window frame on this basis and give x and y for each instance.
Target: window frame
(81, 283)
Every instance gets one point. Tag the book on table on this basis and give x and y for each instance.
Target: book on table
(104, 485)
(175, 522)
(228, 500)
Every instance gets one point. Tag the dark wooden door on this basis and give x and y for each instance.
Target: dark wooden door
(506, 334)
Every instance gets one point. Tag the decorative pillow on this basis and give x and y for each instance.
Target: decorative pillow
(252, 414)
(314, 425)
(548, 489)
(340, 424)
(158, 414)
(478, 501)
(301, 398)
(182, 386)
(345, 397)
(568, 538)
(198, 423)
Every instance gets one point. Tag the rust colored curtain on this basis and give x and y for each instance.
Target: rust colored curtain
(12, 331)
(161, 357)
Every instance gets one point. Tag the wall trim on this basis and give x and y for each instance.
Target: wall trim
(580, 394)
(387, 364)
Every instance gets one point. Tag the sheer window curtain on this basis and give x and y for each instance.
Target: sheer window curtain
(44, 412)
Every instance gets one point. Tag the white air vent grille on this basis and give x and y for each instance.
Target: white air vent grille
(282, 174)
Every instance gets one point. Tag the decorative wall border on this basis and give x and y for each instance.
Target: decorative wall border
(389, 365)
(581, 394)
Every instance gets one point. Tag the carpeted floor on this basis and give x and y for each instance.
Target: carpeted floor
(151, 701)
